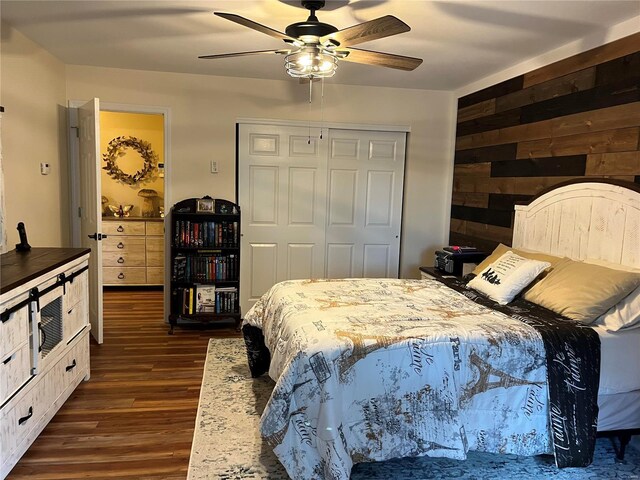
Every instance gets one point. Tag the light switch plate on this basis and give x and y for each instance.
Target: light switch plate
(45, 168)
(214, 166)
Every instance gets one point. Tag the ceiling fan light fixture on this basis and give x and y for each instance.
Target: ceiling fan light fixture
(311, 63)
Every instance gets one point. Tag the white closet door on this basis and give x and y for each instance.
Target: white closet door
(282, 196)
(364, 211)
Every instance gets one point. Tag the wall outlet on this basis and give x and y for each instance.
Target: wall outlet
(214, 166)
(45, 168)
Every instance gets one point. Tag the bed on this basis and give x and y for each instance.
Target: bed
(373, 369)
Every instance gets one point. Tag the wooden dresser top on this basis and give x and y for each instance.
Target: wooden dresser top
(17, 268)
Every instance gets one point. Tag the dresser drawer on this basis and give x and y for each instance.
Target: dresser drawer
(124, 275)
(23, 414)
(111, 227)
(155, 228)
(72, 364)
(123, 244)
(155, 275)
(14, 330)
(75, 318)
(76, 289)
(15, 369)
(123, 259)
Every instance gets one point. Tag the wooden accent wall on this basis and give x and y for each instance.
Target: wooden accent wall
(576, 118)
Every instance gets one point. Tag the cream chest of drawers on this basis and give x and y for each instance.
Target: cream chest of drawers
(133, 252)
(44, 341)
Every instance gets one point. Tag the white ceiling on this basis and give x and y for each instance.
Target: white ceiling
(460, 41)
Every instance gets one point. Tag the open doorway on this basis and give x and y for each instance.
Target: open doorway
(123, 150)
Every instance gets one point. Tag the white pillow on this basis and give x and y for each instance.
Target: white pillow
(505, 278)
(622, 316)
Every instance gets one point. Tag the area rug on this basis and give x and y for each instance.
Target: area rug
(227, 445)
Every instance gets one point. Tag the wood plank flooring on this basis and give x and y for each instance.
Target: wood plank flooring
(134, 418)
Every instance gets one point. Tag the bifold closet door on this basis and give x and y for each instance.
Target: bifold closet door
(364, 211)
(317, 208)
(282, 195)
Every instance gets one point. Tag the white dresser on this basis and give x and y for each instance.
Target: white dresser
(133, 252)
(44, 341)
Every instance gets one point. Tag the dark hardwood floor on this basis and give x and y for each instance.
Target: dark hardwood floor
(134, 418)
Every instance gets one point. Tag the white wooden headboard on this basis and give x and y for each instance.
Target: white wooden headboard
(582, 221)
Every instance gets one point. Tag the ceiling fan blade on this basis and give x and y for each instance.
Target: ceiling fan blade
(371, 30)
(255, 26)
(380, 59)
(242, 54)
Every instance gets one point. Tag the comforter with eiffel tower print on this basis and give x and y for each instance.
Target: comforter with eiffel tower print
(374, 369)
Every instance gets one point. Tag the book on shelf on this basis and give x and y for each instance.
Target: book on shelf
(205, 298)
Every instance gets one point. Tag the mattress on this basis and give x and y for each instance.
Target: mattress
(619, 350)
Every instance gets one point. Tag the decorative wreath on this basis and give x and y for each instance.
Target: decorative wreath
(116, 149)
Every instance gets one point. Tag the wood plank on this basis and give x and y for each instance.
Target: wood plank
(507, 202)
(494, 91)
(483, 231)
(572, 165)
(472, 169)
(504, 119)
(485, 245)
(621, 140)
(135, 417)
(486, 154)
(622, 67)
(621, 116)
(481, 109)
(623, 91)
(500, 218)
(625, 163)
(480, 200)
(595, 56)
(556, 87)
(508, 185)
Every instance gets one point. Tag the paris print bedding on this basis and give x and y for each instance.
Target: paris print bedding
(374, 369)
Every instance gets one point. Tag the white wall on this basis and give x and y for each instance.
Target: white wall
(33, 130)
(204, 110)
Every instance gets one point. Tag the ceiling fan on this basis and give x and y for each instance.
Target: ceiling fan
(314, 47)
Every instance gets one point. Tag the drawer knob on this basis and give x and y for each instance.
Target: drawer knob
(72, 366)
(27, 417)
(120, 228)
(121, 276)
(69, 312)
(120, 245)
(8, 359)
(121, 260)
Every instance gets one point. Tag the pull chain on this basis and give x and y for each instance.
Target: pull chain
(309, 110)
(321, 106)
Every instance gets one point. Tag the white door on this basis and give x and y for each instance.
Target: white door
(282, 196)
(90, 214)
(364, 211)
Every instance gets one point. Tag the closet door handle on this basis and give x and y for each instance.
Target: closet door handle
(121, 276)
(27, 417)
(121, 260)
(72, 366)
(120, 228)
(120, 245)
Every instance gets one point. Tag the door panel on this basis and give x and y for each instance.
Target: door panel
(282, 194)
(376, 200)
(90, 204)
(340, 260)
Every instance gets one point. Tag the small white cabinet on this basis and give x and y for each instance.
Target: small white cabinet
(44, 341)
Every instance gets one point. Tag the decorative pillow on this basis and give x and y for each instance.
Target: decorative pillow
(582, 291)
(624, 315)
(503, 279)
(502, 249)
